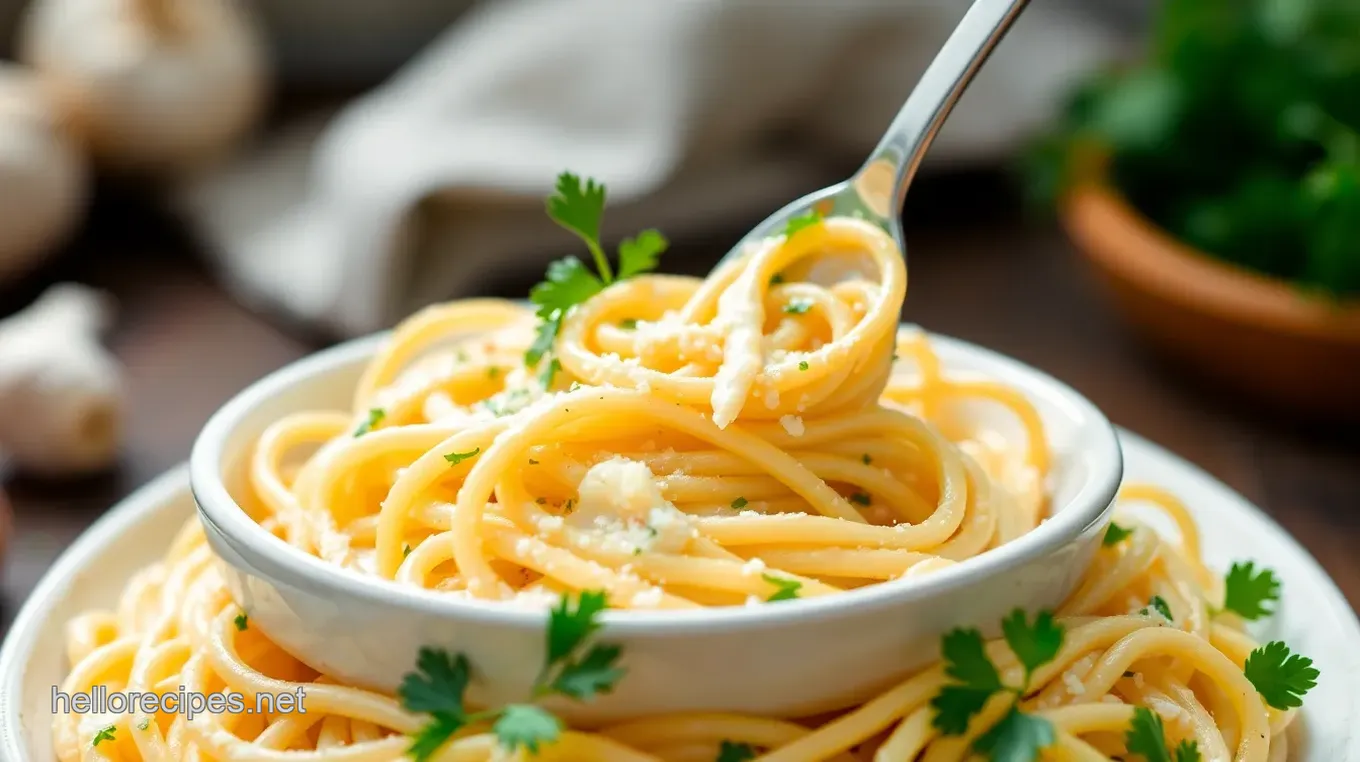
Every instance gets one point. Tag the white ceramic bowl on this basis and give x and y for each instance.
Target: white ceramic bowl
(789, 659)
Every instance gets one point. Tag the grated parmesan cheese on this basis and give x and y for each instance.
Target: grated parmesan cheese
(649, 598)
(621, 509)
(793, 424)
(772, 399)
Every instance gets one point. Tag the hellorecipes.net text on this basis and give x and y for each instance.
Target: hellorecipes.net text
(100, 700)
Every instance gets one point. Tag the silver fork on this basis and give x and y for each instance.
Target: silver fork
(877, 190)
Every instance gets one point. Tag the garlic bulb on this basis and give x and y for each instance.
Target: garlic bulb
(43, 178)
(156, 86)
(61, 392)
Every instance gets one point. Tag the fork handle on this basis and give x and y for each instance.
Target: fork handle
(914, 128)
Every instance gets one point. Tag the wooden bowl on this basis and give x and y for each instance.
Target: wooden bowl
(1247, 332)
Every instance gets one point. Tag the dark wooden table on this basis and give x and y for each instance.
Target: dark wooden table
(978, 271)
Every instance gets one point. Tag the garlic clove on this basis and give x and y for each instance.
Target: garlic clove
(62, 396)
(157, 86)
(44, 182)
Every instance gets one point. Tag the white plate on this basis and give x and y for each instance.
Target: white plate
(1313, 616)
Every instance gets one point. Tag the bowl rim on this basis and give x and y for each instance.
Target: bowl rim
(1118, 237)
(273, 558)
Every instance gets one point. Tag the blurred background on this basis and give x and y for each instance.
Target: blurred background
(1157, 201)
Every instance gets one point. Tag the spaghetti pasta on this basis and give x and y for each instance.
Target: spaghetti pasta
(688, 439)
(176, 626)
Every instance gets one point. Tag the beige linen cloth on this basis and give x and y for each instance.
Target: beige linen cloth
(432, 184)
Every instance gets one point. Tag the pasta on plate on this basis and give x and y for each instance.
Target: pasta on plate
(649, 441)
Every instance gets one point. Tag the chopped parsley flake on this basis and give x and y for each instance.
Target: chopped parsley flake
(786, 589)
(731, 751)
(454, 458)
(375, 417)
(1115, 534)
(802, 222)
(1159, 604)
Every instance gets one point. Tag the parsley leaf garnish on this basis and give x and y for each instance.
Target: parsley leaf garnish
(1034, 645)
(569, 626)
(454, 458)
(974, 680)
(731, 751)
(802, 221)
(1188, 751)
(543, 340)
(1248, 594)
(787, 588)
(241, 622)
(579, 208)
(1146, 738)
(1018, 737)
(375, 416)
(1115, 534)
(974, 677)
(568, 629)
(438, 685)
(432, 736)
(1281, 677)
(549, 373)
(104, 734)
(639, 255)
(568, 284)
(435, 688)
(592, 674)
(525, 725)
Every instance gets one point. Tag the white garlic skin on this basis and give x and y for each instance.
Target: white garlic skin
(62, 399)
(149, 99)
(44, 181)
